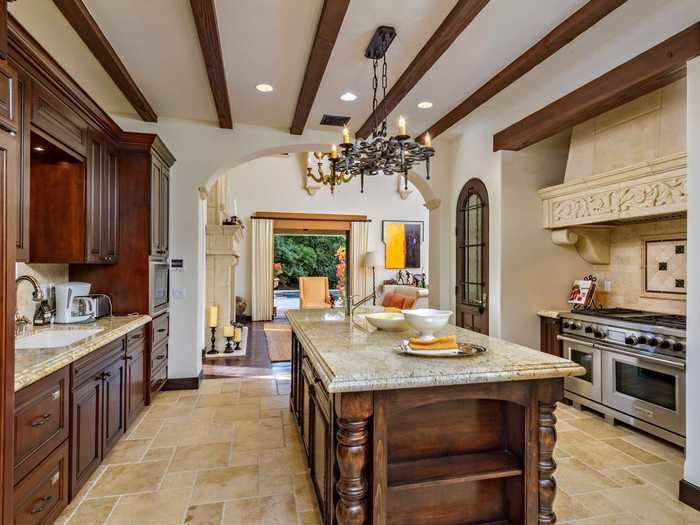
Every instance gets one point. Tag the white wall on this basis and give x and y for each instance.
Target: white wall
(627, 32)
(692, 418)
(535, 273)
(276, 184)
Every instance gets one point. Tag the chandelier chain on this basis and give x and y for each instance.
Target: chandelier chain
(384, 83)
(375, 85)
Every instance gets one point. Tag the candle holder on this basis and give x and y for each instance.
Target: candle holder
(229, 348)
(213, 341)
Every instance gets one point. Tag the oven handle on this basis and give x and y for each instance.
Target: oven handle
(577, 341)
(658, 360)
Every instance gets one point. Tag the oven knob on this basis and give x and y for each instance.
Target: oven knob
(566, 324)
(678, 347)
(600, 334)
(588, 329)
(642, 340)
(666, 343)
(653, 341)
(578, 325)
(631, 340)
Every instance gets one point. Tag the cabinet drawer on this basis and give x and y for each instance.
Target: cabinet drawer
(41, 420)
(87, 367)
(135, 338)
(159, 355)
(159, 377)
(161, 328)
(41, 496)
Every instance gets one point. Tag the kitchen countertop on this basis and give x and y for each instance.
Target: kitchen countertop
(349, 358)
(32, 364)
(552, 313)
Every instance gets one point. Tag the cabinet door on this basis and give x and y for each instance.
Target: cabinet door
(549, 330)
(56, 119)
(86, 431)
(110, 206)
(165, 211)
(156, 178)
(320, 458)
(113, 414)
(135, 381)
(94, 193)
(306, 412)
(23, 178)
(8, 97)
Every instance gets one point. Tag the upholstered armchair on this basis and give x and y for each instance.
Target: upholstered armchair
(313, 293)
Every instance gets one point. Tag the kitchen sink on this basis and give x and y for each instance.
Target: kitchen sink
(55, 338)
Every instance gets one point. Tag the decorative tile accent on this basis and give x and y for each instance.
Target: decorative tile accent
(665, 265)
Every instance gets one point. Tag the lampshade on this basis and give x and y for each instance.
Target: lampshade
(374, 259)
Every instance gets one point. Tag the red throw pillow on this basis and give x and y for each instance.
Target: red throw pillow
(408, 302)
(393, 300)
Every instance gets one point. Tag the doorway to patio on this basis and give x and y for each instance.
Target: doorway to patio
(302, 255)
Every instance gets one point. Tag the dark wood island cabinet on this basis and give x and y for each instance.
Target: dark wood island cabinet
(393, 439)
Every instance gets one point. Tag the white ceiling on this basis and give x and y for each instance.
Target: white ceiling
(269, 41)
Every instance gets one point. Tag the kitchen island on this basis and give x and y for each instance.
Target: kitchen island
(397, 439)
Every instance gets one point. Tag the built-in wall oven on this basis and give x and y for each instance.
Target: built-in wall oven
(159, 279)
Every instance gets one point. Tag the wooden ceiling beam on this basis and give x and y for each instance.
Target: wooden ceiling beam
(651, 70)
(85, 25)
(456, 21)
(329, 23)
(582, 20)
(204, 12)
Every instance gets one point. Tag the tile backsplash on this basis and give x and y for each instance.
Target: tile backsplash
(45, 274)
(626, 267)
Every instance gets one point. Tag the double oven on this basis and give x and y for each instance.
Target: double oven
(634, 373)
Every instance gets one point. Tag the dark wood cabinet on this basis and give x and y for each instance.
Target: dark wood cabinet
(114, 377)
(102, 206)
(42, 495)
(54, 120)
(86, 431)
(320, 461)
(23, 179)
(160, 207)
(135, 375)
(9, 103)
(550, 328)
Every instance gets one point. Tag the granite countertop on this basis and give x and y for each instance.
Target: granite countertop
(32, 364)
(552, 313)
(350, 358)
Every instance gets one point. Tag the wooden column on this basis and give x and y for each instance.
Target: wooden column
(352, 453)
(546, 465)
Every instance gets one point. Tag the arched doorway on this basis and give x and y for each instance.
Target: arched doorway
(473, 257)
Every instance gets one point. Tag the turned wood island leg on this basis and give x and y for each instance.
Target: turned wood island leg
(352, 454)
(546, 465)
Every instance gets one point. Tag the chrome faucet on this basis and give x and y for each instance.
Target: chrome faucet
(21, 321)
(352, 306)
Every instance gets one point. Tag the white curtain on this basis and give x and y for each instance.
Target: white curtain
(263, 258)
(359, 239)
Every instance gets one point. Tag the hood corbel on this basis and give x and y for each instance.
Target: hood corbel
(592, 242)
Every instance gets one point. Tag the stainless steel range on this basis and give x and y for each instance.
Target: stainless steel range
(636, 367)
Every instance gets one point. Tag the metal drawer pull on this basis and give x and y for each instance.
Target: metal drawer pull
(137, 336)
(128, 357)
(160, 330)
(42, 505)
(161, 356)
(56, 395)
(41, 420)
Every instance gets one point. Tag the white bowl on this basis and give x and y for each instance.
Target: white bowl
(427, 321)
(390, 321)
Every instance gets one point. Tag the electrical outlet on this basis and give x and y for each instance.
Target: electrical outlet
(607, 285)
(178, 293)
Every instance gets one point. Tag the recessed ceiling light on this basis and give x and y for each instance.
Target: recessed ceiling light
(348, 97)
(425, 105)
(264, 88)
(38, 148)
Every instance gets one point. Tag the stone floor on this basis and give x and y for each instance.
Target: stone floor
(230, 454)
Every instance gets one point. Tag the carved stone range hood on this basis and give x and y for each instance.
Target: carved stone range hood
(624, 165)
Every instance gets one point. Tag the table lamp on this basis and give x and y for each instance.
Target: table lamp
(372, 260)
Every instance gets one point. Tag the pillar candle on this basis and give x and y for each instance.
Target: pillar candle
(228, 330)
(402, 126)
(213, 316)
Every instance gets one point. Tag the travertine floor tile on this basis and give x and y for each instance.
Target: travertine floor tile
(270, 510)
(260, 434)
(309, 517)
(633, 450)
(224, 484)
(663, 475)
(129, 478)
(200, 457)
(158, 453)
(208, 514)
(217, 400)
(165, 507)
(93, 512)
(237, 412)
(146, 429)
(127, 451)
(275, 485)
(178, 480)
(574, 477)
(598, 428)
(197, 433)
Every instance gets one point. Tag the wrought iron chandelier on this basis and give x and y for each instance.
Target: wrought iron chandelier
(390, 155)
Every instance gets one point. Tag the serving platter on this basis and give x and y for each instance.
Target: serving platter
(462, 350)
